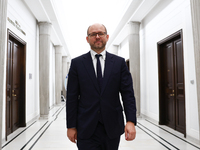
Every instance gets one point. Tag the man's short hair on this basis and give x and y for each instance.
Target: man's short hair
(90, 26)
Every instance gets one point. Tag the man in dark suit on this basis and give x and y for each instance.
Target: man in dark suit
(94, 110)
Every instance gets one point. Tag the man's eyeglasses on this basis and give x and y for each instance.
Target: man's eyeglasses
(100, 34)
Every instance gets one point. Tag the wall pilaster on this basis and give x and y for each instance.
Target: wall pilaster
(195, 11)
(114, 49)
(134, 59)
(3, 16)
(44, 67)
(58, 73)
(64, 73)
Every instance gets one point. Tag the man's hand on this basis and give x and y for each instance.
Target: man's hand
(72, 134)
(130, 131)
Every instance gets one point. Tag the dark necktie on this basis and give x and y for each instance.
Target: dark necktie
(99, 79)
(99, 72)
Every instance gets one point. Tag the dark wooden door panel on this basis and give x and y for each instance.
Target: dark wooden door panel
(180, 120)
(180, 100)
(169, 84)
(16, 85)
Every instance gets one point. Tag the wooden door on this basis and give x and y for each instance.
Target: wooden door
(171, 83)
(15, 81)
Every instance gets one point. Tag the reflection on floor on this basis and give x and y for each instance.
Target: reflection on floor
(50, 134)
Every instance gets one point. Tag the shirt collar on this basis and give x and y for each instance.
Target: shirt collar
(93, 53)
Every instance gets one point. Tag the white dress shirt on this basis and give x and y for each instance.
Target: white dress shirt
(101, 59)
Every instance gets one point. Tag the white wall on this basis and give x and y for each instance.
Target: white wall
(167, 17)
(19, 12)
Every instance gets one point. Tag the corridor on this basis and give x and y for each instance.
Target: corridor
(50, 134)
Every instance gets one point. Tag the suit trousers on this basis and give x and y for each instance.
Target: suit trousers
(98, 141)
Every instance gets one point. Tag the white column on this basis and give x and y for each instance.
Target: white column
(114, 49)
(58, 73)
(134, 59)
(64, 73)
(195, 10)
(3, 16)
(44, 67)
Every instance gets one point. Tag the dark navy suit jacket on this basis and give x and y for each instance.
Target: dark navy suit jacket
(84, 98)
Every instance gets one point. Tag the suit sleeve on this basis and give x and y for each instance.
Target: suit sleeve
(72, 96)
(127, 93)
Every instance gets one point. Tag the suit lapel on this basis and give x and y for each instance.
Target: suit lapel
(87, 61)
(107, 70)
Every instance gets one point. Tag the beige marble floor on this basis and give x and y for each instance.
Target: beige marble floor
(50, 134)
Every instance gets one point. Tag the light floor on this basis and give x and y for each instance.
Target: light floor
(50, 134)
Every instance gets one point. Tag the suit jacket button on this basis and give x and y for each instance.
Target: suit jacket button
(98, 111)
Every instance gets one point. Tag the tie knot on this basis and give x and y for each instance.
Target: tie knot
(98, 55)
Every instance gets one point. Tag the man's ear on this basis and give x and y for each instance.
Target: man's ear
(87, 38)
(107, 36)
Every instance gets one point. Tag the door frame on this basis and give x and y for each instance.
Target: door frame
(23, 104)
(159, 45)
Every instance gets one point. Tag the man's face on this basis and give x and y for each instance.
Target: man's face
(97, 37)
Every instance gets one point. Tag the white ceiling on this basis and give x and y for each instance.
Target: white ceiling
(71, 18)
(44, 11)
(136, 11)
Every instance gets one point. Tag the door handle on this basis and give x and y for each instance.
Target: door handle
(171, 95)
(14, 95)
